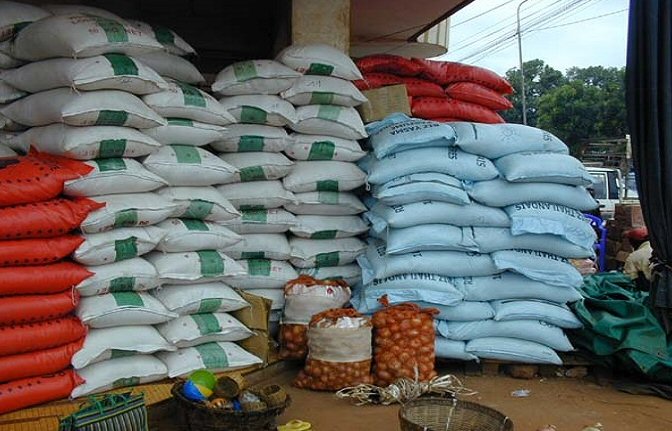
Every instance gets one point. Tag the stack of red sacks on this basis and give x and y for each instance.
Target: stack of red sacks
(440, 90)
(38, 332)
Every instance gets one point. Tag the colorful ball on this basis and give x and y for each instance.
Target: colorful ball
(204, 378)
(195, 392)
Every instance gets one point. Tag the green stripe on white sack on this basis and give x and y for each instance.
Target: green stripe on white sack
(264, 274)
(121, 64)
(211, 305)
(108, 117)
(112, 148)
(185, 165)
(125, 248)
(192, 96)
(186, 154)
(206, 323)
(127, 299)
(210, 297)
(244, 71)
(213, 356)
(203, 203)
(329, 112)
(198, 209)
(185, 361)
(193, 266)
(127, 275)
(212, 263)
(117, 245)
(122, 308)
(323, 150)
(114, 31)
(191, 235)
(187, 331)
(259, 267)
(114, 164)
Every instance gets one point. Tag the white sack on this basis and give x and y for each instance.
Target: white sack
(192, 235)
(254, 77)
(184, 165)
(94, 108)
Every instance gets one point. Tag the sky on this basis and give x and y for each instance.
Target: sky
(490, 40)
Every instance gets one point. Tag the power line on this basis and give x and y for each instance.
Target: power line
(582, 20)
(506, 39)
(509, 43)
(503, 28)
(481, 14)
(527, 24)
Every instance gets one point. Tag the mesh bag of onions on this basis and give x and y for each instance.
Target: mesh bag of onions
(404, 343)
(305, 297)
(339, 351)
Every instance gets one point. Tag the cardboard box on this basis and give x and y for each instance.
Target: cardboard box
(629, 215)
(383, 102)
(260, 345)
(256, 317)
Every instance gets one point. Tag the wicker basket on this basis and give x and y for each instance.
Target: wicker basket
(199, 417)
(446, 414)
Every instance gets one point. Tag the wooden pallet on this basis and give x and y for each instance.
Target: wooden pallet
(46, 417)
(574, 366)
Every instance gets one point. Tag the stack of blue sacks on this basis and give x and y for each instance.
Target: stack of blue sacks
(479, 221)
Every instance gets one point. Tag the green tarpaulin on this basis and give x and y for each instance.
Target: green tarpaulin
(620, 328)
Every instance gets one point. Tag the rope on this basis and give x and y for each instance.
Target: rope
(404, 390)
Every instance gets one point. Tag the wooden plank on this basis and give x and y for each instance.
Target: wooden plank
(158, 399)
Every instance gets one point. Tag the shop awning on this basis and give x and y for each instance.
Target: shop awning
(394, 25)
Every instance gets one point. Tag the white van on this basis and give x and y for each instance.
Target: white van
(609, 189)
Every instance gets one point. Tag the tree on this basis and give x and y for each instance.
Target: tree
(591, 104)
(570, 113)
(539, 80)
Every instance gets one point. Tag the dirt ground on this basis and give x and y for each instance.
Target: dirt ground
(569, 404)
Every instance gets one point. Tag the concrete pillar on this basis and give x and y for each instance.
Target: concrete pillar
(321, 21)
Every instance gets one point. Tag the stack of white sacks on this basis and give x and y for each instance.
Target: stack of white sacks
(479, 221)
(108, 108)
(254, 145)
(324, 241)
(276, 195)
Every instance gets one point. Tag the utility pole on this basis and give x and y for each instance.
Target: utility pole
(520, 61)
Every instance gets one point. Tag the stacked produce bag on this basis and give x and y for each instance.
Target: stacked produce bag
(40, 333)
(439, 90)
(139, 182)
(304, 298)
(324, 146)
(306, 90)
(478, 221)
(84, 103)
(254, 145)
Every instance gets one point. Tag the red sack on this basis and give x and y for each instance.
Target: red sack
(38, 363)
(436, 107)
(19, 394)
(478, 94)
(37, 177)
(447, 72)
(416, 87)
(31, 337)
(37, 308)
(385, 63)
(377, 80)
(38, 251)
(45, 219)
(43, 279)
